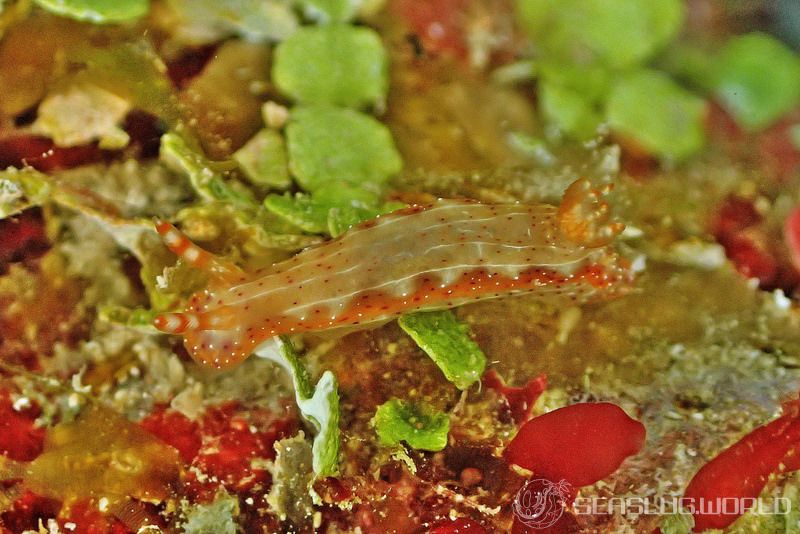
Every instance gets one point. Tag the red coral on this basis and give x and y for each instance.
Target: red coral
(735, 215)
(635, 159)
(42, 154)
(567, 524)
(438, 24)
(232, 442)
(752, 260)
(20, 439)
(568, 448)
(233, 453)
(520, 400)
(579, 444)
(336, 489)
(739, 228)
(145, 132)
(22, 237)
(791, 235)
(741, 471)
(28, 511)
(190, 63)
(462, 525)
(217, 419)
(778, 152)
(175, 429)
(222, 445)
(89, 520)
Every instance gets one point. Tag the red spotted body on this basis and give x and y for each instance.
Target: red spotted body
(418, 258)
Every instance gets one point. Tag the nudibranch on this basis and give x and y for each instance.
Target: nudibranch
(417, 258)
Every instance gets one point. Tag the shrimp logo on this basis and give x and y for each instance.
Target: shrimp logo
(541, 502)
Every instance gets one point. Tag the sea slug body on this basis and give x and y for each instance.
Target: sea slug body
(418, 258)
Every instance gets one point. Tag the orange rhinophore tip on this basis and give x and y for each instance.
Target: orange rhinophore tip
(175, 323)
(162, 227)
(182, 246)
(222, 318)
(584, 218)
